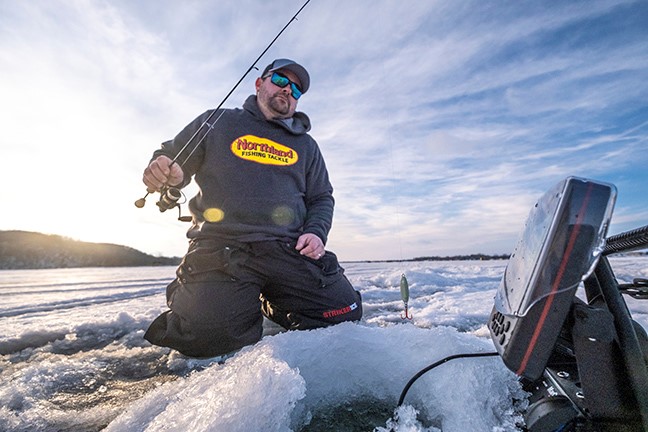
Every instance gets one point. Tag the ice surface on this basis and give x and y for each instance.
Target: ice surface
(285, 379)
(72, 358)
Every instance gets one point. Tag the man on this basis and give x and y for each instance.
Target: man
(260, 224)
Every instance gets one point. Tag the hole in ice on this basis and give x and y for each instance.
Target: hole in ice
(350, 416)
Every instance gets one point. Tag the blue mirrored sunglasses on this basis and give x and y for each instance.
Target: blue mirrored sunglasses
(282, 81)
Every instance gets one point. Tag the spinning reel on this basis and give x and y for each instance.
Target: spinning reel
(169, 197)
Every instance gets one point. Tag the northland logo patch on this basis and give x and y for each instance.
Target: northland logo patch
(263, 151)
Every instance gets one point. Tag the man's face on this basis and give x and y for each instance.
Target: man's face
(274, 101)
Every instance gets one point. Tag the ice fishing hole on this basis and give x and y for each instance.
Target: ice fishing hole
(350, 416)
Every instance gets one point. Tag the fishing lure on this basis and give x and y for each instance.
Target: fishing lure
(404, 289)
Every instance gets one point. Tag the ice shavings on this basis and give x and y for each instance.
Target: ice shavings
(255, 391)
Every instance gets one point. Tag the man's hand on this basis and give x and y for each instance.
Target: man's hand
(162, 172)
(310, 245)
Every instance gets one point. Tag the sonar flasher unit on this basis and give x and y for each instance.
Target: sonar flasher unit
(560, 244)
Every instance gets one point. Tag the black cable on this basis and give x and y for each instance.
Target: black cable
(440, 362)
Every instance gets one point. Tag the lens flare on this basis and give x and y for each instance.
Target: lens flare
(213, 215)
(283, 216)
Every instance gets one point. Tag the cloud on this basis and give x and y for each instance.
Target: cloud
(441, 123)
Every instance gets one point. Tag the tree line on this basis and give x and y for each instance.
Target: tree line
(31, 250)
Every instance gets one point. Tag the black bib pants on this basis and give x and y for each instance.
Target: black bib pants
(223, 289)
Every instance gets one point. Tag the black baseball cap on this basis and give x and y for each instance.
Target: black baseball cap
(292, 66)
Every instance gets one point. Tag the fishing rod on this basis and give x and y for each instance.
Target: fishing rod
(169, 196)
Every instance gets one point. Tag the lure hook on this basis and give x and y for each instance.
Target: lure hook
(406, 314)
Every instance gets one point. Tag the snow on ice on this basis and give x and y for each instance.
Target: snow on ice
(72, 357)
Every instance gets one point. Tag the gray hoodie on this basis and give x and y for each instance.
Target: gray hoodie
(258, 179)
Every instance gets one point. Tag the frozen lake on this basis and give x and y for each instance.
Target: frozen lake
(72, 357)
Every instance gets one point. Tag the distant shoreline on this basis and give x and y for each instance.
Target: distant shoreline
(33, 251)
(472, 257)
(26, 250)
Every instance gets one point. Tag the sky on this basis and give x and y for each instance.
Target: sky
(441, 122)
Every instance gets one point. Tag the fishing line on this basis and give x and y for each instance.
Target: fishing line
(396, 194)
(140, 202)
(396, 180)
(404, 284)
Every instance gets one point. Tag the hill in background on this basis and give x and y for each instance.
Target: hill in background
(30, 250)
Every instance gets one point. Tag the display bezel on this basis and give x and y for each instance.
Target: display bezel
(574, 203)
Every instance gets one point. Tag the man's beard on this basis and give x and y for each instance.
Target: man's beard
(280, 105)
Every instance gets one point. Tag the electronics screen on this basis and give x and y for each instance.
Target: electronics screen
(559, 246)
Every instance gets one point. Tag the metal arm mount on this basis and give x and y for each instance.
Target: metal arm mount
(627, 241)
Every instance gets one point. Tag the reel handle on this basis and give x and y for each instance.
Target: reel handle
(142, 201)
(169, 197)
